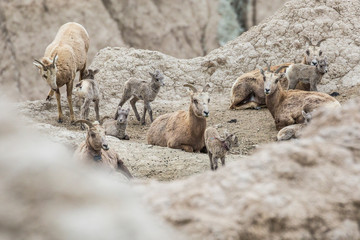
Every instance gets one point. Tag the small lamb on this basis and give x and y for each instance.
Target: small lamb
(217, 147)
(117, 127)
(306, 74)
(142, 90)
(294, 131)
(87, 90)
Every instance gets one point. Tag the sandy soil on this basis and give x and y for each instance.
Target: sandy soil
(253, 127)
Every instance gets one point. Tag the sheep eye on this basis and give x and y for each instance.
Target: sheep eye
(44, 76)
(320, 52)
(195, 101)
(93, 135)
(208, 100)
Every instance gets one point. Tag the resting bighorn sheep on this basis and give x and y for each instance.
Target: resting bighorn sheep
(95, 149)
(87, 90)
(286, 106)
(218, 147)
(308, 74)
(117, 127)
(293, 131)
(183, 129)
(142, 90)
(62, 59)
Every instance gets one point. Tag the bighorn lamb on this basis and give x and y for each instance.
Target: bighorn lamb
(286, 106)
(87, 90)
(293, 131)
(95, 149)
(142, 90)
(218, 147)
(117, 127)
(308, 74)
(62, 59)
(183, 129)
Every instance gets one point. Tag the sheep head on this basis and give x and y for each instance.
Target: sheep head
(157, 78)
(271, 79)
(199, 100)
(313, 53)
(48, 70)
(307, 116)
(90, 74)
(95, 137)
(232, 139)
(121, 115)
(322, 66)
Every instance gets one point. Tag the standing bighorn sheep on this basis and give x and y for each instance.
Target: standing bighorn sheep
(294, 131)
(218, 147)
(142, 90)
(62, 59)
(117, 127)
(183, 129)
(286, 106)
(95, 149)
(87, 91)
(307, 74)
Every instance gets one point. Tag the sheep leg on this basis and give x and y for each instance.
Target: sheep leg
(58, 96)
(132, 103)
(97, 110)
(143, 117)
(187, 148)
(211, 161)
(84, 110)
(223, 161)
(313, 86)
(82, 72)
(50, 94)
(215, 160)
(149, 111)
(69, 87)
(292, 84)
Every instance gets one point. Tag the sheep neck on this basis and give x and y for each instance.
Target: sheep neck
(154, 87)
(95, 154)
(274, 99)
(196, 124)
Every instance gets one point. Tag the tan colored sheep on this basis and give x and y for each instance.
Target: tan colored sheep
(62, 59)
(294, 131)
(183, 129)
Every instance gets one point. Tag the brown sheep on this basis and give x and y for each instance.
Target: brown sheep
(294, 131)
(183, 129)
(95, 149)
(286, 106)
(62, 59)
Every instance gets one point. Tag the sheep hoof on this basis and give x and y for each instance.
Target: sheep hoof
(257, 108)
(60, 120)
(72, 122)
(126, 137)
(48, 98)
(143, 123)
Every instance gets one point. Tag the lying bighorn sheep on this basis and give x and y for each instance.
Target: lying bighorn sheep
(117, 127)
(142, 90)
(286, 106)
(308, 74)
(95, 149)
(183, 129)
(293, 131)
(87, 90)
(218, 147)
(62, 59)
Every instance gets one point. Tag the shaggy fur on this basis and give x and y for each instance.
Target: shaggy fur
(95, 149)
(294, 131)
(117, 127)
(142, 90)
(286, 106)
(217, 147)
(62, 59)
(183, 129)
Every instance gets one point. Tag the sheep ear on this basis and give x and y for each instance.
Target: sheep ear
(307, 52)
(206, 88)
(151, 74)
(96, 71)
(262, 71)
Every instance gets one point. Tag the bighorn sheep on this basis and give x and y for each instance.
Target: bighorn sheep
(95, 149)
(293, 131)
(117, 127)
(90, 74)
(62, 59)
(87, 91)
(183, 129)
(286, 106)
(308, 74)
(142, 90)
(218, 147)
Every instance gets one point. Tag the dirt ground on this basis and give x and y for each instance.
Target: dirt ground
(253, 128)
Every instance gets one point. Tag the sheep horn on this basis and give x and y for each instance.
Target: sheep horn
(308, 40)
(86, 122)
(40, 63)
(280, 68)
(268, 65)
(54, 59)
(191, 87)
(206, 88)
(318, 44)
